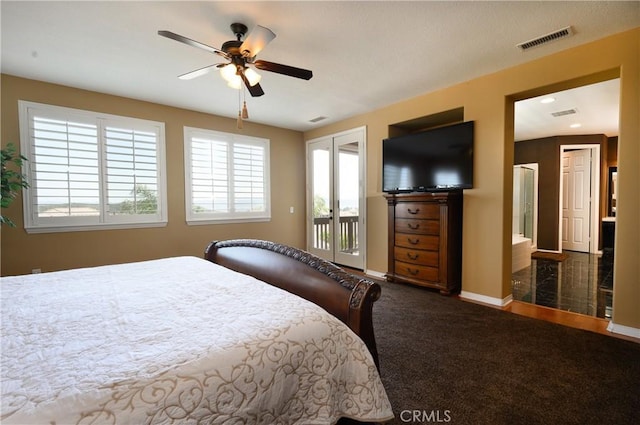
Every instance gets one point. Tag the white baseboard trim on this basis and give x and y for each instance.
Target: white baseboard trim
(623, 330)
(375, 274)
(484, 299)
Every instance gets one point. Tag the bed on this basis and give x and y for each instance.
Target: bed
(192, 340)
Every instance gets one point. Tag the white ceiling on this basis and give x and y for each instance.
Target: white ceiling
(364, 55)
(591, 109)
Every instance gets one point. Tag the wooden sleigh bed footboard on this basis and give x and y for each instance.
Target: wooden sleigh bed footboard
(348, 297)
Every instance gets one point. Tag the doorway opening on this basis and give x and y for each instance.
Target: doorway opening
(577, 278)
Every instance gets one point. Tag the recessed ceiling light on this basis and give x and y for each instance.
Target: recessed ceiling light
(548, 100)
(576, 125)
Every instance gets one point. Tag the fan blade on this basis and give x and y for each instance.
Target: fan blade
(198, 72)
(193, 43)
(256, 40)
(291, 71)
(254, 90)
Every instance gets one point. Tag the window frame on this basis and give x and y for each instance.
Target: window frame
(103, 221)
(229, 216)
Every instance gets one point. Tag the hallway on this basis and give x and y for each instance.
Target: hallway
(583, 283)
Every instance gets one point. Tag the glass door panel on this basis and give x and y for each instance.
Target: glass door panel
(321, 235)
(348, 199)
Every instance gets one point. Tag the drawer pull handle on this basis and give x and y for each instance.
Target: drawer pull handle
(413, 226)
(410, 211)
(413, 272)
(412, 256)
(413, 241)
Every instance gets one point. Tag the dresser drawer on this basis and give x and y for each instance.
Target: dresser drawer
(423, 227)
(417, 272)
(413, 241)
(417, 210)
(415, 256)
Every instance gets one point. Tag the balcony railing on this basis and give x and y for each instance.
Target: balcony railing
(348, 233)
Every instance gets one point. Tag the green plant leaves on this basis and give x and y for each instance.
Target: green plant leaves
(12, 181)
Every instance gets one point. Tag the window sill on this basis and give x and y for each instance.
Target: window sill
(199, 222)
(92, 227)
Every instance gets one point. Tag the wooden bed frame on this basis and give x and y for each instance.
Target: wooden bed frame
(348, 297)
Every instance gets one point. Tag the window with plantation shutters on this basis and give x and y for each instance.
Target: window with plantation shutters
(131, 171)
(227, 177)
(65, 173)
(91, 171)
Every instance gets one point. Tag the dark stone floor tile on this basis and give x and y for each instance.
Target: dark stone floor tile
(582, 283)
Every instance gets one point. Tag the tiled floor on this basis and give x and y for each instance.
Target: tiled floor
(582, 283)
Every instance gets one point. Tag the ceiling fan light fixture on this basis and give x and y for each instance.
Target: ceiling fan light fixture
(228, 72)
(235, 83)
(252, 76)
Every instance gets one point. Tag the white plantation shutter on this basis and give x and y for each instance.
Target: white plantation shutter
(227, 177)
(90, 171)
(248, 178)
(209, 176)
(64, 168)
(131, 171)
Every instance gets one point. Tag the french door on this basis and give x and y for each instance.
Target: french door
(336, 198)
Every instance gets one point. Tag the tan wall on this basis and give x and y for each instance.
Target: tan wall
(22, 252)
(487, 208)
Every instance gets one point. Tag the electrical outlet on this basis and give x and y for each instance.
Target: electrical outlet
(291, 210)
(36, 271)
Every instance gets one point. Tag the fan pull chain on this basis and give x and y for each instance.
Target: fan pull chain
(245, 112)
(239, 122)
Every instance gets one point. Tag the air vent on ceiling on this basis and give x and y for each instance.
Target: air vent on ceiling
(316, 119)
(565, 112)
(564, 32)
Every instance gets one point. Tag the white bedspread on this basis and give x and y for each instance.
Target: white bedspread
(178, 340)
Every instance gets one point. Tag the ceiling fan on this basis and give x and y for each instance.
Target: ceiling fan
(240, 54)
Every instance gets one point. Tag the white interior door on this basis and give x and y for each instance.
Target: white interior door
(336, 202)
(576, 200)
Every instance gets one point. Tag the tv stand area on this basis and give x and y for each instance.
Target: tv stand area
(425, 239)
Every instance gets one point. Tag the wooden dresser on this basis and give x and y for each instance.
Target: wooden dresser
(425, 239)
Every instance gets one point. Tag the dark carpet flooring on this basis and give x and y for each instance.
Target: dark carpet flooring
(450, 361)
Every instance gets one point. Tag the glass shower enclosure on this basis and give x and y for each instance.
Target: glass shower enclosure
(524, 201)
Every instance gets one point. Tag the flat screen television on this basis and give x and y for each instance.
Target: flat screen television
(439, 159)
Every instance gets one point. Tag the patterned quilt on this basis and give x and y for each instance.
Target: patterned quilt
(177, 340)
